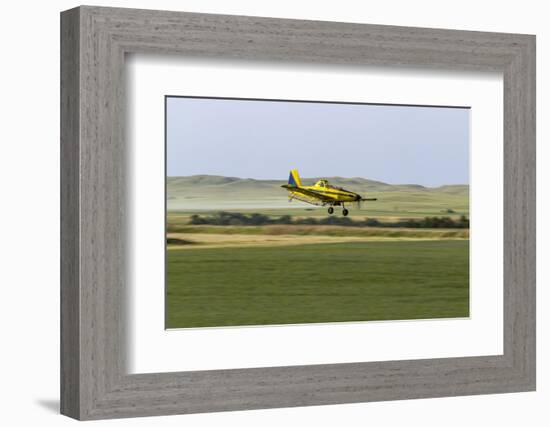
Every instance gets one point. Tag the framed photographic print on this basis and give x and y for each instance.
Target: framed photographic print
(263, 213)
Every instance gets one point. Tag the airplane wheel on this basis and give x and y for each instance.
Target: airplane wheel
(345, 212)
(331, 210)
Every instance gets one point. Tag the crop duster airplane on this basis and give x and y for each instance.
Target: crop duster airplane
(322, 193)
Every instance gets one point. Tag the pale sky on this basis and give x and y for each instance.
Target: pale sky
(265, 139)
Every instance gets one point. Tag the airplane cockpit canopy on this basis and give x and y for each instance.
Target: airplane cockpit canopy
(324, 184)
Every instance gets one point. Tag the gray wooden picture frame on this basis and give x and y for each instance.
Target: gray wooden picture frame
(94, 381)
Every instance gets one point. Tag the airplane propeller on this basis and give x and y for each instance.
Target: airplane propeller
(361, 199)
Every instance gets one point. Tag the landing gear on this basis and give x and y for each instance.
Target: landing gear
(345, 212)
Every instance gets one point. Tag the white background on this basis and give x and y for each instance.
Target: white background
(152, 349)
(29, 168)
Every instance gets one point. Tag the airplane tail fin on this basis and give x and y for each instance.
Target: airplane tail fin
(294, 178)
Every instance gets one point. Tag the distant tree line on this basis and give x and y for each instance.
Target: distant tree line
(236, 218)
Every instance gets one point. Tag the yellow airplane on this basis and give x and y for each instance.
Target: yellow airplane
(322, 193)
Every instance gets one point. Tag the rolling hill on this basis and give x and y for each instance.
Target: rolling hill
(212, 192)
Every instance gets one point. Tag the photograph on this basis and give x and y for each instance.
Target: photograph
(286, 212)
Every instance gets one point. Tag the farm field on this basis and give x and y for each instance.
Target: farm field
(238, 253)
(202, 236)
(317, 282)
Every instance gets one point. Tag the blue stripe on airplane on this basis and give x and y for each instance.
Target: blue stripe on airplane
(291, 180)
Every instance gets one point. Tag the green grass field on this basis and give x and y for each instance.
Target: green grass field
(235, 274)
(336, 282)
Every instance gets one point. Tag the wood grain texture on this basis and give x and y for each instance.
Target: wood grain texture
(70, 259)
(94, 382)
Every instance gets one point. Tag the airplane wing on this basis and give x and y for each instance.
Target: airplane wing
(308, 196)
(312, 194)
(316, 202)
